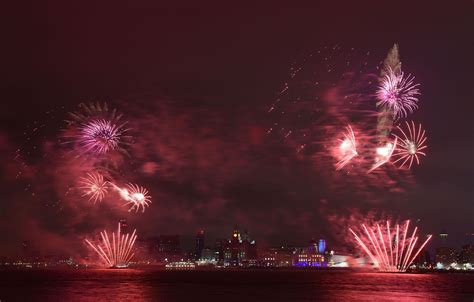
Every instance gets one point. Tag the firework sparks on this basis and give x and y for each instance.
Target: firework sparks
(99, 136)
(410, 146)
(383, 154)
(347, 149)
(135, 195)
(96, 130)
(385, 247)
(94, 186)
(118, 252)
(399, 93)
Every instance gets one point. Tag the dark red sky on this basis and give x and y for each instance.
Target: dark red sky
(229, 60)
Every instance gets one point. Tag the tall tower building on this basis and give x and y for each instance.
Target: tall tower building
(123, 225)
(322, 246)
(443, 238)
(199, 244)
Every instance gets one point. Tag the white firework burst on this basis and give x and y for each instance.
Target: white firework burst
(410, 145)
(94, 186)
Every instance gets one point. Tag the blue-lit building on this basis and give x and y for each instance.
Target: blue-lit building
(322, 246)
(312, 256)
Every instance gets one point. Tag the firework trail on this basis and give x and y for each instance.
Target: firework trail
(134, 195)
(386, 116)
(410, 146)
(96, 131)
(347, 149)
(94, 186)
(391, 250)
(398, 93)
(118, 252)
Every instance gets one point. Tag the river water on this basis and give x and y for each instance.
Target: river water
(223, 286)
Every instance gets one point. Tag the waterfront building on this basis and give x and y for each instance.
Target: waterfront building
(445, 257)
(199, 244)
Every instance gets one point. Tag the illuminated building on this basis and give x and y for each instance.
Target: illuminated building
(199, 244)
(466, 256)
(443, 239)
(282, 256)
(168, 244)
(219, 249)
(240, 250)
(312, 256)
(162, 248)
(445, 257)
(123, 225)
(322, 246)
(207, 255)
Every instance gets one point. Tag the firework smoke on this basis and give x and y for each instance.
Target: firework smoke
(391, 250)
(410, 146)
(118, 252)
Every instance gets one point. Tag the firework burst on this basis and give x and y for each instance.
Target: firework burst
(391, 250)
(383, 154)
(96, 130)
(94, 186)
(116, 253)
(410, 145)
(398, 93)
(99, 136)
(347, 148)
(135, 195)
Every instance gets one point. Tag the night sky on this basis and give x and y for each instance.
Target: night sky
(195, 82)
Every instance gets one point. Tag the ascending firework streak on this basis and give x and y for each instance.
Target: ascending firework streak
(94, 186)
(390, 250)
(135, 195)
(410, 146)
(347, 149)
(118, 252)
(397, 96)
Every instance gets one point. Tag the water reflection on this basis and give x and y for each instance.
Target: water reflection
(224, 286)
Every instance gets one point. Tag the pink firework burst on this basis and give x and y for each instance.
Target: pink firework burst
(99, 136)
(398, 93)
(135, 195)
(95, 130)
(347, 148)
(411, 144)
(94, 186)
(391, 250)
